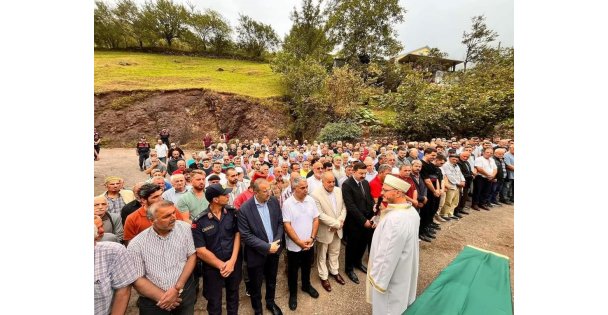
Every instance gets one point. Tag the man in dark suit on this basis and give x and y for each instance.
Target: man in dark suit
(357, 227)
(261, 225)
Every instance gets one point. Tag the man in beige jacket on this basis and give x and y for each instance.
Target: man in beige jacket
(332, 214)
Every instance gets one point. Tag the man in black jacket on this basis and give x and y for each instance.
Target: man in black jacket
(468, 173)
(358, 225)
(261, 226)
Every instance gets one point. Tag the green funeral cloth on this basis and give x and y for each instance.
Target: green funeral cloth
(477, 282)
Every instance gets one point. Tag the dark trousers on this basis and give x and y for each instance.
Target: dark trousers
(165, 140)
(213, 282)
(299, 260)
(496, 190)
(257, 274)
(481, 190)
(358, 241)
(142, 158)
(464, 194)
(428, 211)
(148, 306)
(507, 190)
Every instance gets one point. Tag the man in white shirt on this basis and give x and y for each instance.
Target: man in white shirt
(301, 222)
(162, 150)
(486, 168)
(369, 167)
(314, 181)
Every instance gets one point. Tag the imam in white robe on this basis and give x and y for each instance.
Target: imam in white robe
(392, 270)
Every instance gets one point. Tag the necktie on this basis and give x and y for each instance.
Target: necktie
(362, 190)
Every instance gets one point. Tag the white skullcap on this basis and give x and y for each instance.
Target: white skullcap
(397, 183)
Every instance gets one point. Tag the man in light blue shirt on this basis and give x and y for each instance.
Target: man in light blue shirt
(508, 188)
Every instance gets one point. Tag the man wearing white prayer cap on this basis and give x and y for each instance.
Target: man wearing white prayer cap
(392, 274)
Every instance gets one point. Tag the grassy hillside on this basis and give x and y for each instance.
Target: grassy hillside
(126, 71)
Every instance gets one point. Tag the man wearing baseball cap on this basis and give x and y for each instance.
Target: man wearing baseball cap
(217, 241)
(393, 259)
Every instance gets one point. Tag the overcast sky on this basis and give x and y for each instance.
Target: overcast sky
(436, 23)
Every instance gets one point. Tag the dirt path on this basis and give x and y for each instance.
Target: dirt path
(491, 230)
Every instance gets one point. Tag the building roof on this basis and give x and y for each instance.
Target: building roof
(421, 54)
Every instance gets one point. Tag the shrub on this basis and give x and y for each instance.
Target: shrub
(339, 131)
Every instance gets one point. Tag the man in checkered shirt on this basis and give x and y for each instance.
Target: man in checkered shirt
(114, 274)
(164, 258)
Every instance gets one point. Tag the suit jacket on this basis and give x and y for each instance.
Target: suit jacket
(253, 233)
(466, 170)
(327, 217)
(358, 206)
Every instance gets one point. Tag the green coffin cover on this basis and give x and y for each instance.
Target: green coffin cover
(477, 282)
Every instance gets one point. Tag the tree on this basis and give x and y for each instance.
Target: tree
(169, 19)
(344, 91)
(210, 28)
(365, 28)
(255, 37)
(466, 105)
(306, 37)
(135, 26)
(477, 40)
(107, 29)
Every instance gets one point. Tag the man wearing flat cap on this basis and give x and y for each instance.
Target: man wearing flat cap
(393, 259)
(116, 197)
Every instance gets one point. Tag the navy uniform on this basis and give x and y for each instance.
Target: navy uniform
(218, 237)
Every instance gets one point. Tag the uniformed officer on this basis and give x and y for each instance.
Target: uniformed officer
(217, 241)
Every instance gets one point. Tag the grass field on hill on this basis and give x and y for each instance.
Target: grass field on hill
(127, 71)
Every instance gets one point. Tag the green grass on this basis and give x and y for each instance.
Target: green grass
(128, 71)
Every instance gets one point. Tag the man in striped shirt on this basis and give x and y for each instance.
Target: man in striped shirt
(164, 257)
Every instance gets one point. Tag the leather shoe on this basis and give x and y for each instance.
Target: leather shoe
(439, 218)
(362, 268)
(463, 212)
(429, 235)
(293, 302)
(475, 207)
(437, 228)
(352, 276)
(274, 309)
(312, 291)
(425, 238)
(454, 217)
(458, 215)
(339, 279)
(484, 207)
(325, 284)
(446, 218)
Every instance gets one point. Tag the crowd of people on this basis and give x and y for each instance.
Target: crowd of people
(227, 213)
